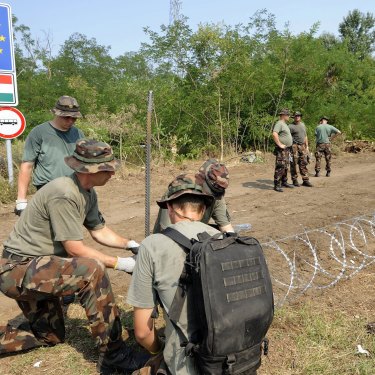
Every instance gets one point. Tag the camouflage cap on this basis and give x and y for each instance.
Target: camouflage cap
(92, 156)
(324, 118)
(185, 184)
(284, 112)
(216, 177)
(296, 113)
(66, 106)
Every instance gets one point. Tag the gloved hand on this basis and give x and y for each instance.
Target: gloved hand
(133, 246)
(125, 264)
(308, 158)
(20, 206)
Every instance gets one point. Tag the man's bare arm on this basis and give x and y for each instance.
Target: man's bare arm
(144, 330)
(79, 249)
(24, 177)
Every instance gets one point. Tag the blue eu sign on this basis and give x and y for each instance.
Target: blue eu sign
(6, 39)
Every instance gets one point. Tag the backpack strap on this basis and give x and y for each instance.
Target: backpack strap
(178, 237)
(180, 295)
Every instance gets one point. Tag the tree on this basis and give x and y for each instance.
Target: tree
(358, 30)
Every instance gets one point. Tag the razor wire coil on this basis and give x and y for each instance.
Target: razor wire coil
(318, 259)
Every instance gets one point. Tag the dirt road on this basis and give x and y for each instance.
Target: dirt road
(348, 193)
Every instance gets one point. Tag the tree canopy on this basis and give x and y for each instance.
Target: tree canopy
(217, 89)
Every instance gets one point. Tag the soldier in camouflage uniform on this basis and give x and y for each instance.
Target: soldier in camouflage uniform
(214, 177)
(300, 151)
(45, 258)
(283, 141)
(323, 133)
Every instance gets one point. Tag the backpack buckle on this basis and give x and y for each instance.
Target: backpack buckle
(265, 346)
(231, 361)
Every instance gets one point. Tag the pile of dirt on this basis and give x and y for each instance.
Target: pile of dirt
(359, 146)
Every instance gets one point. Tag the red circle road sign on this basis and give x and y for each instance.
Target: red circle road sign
(12, 123)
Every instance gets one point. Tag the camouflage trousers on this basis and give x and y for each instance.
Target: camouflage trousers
(299, 157)
(38, 285)
(281, 165)
(323, 149)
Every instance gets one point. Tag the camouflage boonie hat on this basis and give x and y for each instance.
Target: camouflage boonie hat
(66, 106)
(324, 118)
(216, 176)
(185, 184)
(92, 156)
(284, 112)
(297, 114)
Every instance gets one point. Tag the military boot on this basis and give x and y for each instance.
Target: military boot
(328, 174)
(278, 187)
(316, 174)
(295, 183)
(285, 184)
(307, 183)
(121, 360)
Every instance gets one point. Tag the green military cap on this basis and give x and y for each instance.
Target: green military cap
(284, 111)
(216, 176)
(324, 118)
(297, 114)
(185, 184)
(92, 156)
(67, 106)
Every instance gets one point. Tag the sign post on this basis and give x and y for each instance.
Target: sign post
(14, 125)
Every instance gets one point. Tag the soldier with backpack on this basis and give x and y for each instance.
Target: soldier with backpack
(214, 288)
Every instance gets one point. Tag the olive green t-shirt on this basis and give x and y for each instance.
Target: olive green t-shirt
(56, 213)
(46, 147)
(282, 129)
(298, 132)
(218, 212)
(323, 132)
(158, 268)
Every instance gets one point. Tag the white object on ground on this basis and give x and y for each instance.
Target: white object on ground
(360, 350)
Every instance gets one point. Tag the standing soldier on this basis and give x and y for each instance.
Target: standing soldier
(324, 133)
(283, 140)
(45, 258)
(45, 149)
(300, 150)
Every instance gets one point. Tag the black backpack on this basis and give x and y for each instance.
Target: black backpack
(228, 283)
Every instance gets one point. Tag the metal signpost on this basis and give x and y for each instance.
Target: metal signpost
(12, 122)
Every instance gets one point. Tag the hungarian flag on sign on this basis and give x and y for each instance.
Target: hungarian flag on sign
(7, 88)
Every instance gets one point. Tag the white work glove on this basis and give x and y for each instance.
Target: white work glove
(20, 206)
(125, 264)
(133, 246)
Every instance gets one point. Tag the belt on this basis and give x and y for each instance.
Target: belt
(11, 256)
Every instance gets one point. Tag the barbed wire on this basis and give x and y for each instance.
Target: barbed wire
(320, 258)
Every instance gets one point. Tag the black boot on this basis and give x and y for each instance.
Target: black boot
(295, 183)
(328, 174)
(278, 187)
(122, 360)
(307, 183)
(285, 184)
(316, 174)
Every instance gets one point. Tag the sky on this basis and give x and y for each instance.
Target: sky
(119, 23)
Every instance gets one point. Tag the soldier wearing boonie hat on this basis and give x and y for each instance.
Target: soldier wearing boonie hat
(45, 148)
(324, 133)
(214, 178)
(158, 270)
(300, 151)
(283, 143)
(45, 258)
